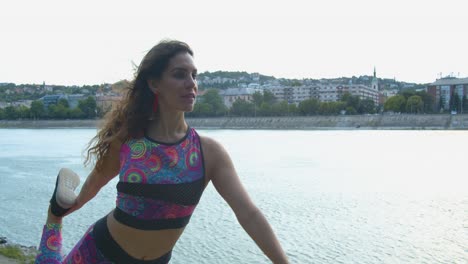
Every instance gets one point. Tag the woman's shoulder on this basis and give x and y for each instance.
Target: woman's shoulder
(213, 151)
(210, 144)
(116, 144)
(215, 148)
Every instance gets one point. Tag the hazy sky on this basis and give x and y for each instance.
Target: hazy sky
(94, 42)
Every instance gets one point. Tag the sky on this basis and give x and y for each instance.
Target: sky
(94, 42)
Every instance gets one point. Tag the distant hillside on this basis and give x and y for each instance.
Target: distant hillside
(10, 92)
(120, 86)
(226, 79)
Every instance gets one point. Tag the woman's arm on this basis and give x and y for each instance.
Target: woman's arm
(222, 173)
(97, 179)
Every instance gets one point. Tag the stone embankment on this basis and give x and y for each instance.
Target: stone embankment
(437, 122)
(27, 253)
(337, 122)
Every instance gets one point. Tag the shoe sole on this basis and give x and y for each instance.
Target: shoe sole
(67, 183)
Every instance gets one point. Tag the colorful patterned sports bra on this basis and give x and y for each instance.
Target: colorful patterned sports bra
(160, 184)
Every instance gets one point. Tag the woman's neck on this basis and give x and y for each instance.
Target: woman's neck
(168, 127)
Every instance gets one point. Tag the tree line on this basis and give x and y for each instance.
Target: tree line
(421, 102)
(61, 110)
(265, 104)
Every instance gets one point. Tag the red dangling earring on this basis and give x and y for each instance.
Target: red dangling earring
(155, 103)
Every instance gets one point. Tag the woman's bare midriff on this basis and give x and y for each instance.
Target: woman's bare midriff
(143, 244)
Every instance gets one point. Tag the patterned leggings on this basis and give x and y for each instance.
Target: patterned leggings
(51, 247)
(94, 246)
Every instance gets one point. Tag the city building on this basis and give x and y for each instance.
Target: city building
(230, 95)
(26, 103)
(106, 101)
(443, 89)
(51, 99)
(327, 92)
(324, 92)
(362, 91)
(72, 99)
(278, 92)
(385, 94)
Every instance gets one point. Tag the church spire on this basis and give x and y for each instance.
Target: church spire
(375, 81)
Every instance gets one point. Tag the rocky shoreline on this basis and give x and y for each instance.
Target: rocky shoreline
(366, 122)
(28, 252)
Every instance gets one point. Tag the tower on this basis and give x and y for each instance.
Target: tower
(375, 82)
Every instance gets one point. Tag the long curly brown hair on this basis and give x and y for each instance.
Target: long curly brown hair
(129, 118)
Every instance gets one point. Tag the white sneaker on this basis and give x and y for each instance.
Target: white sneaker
(64, 196)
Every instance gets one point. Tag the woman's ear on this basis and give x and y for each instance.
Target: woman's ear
(152, 85)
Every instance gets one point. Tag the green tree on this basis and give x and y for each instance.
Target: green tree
(61, 111)
(280, 109)
(331, 108)
(88, 107)
(441, 104)
(455, 102)
(37, 109)
(465, 104)
(350, 110)
(428, 101)
(63, 102)
(23, 111)
(367, 106)
(257, 99)
(268, 97)
(337, 107)
(283, 108)
(2, 114)
(351, 100)
(296, 83)
(11, 113)
(414, 104)
(58, 111)
(325, 108)
(76, 113)
(309, 107)
(202, 110)
(407, 93)
(242, 108)
(395, 103)
(213, 98)
(265, 109)
(293, 109)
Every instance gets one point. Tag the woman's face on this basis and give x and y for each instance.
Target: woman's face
(177, 87)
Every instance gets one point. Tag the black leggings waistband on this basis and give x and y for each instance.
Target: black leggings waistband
(111, 250)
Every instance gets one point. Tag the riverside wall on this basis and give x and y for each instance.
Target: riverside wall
(436, 122)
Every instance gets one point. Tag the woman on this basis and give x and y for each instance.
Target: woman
(163, 167)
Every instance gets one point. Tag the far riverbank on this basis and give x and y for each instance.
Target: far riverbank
(365, 122)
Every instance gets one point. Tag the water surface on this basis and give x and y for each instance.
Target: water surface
(330, 196)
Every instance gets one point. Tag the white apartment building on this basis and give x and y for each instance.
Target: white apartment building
(297, 94)
(364, 92)
(294, 94)
(278, 92)
(230, 95)
(389, 93)
(323, 92)
(327, 93)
